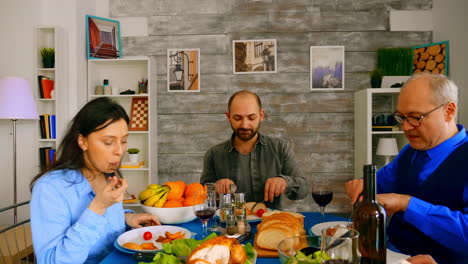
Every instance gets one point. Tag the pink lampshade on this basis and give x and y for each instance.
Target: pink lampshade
(16, 99)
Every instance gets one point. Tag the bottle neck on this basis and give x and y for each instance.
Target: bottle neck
(369, 182)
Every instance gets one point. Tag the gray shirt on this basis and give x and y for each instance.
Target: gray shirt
(271, 157)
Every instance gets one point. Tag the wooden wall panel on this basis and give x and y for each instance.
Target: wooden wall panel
(319, 125)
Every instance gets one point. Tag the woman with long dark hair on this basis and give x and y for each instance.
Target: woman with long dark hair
(76, 205)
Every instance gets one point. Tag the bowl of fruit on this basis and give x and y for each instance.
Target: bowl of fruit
(171, 202)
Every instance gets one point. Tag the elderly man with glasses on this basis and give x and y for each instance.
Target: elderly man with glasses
(425, 188)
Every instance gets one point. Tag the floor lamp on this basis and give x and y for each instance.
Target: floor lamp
(16, 102)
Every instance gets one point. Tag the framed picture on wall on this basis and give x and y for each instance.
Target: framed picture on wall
(433, 58)
(326, 68)
(254, 56)
(183, 70)
(102, 38)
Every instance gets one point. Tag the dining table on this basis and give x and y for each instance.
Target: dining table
(195, 226)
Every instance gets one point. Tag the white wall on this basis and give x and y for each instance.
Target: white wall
(17, 22)
(450, 23)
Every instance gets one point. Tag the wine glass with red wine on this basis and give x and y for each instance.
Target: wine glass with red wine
(322, 195)
(204, 208)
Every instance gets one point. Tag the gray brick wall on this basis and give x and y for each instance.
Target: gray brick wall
(318, 124)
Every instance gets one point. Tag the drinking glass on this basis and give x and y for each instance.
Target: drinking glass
(239, 204)
(210, 188)
(204, 208)
(322, 195)
(341, 245)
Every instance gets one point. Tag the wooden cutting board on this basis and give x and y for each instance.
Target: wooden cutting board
(264, 253)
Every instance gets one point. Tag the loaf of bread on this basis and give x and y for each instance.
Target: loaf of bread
(278, 226)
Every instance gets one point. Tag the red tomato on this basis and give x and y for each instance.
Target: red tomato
(147, 236)
(260, 212)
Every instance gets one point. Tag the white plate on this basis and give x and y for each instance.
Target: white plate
(136, 236)
(395, 257)
(250, 218)
(317, 229)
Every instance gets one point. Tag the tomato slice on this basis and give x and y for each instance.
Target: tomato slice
(147, 235)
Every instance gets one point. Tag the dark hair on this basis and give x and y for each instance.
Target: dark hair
(94, 116)
(242, 92)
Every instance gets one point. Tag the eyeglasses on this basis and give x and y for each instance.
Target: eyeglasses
(413, 121)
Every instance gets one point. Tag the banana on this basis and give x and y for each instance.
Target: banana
(156, 197)
(145, 194)
(162, 200)
(154, 186)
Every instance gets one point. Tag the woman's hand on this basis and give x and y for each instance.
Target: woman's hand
(112, 192)
(136, 220)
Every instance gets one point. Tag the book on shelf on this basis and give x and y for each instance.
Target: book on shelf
(47, 87)
(52, 127)
(39, 85)
(385, 128)
(132, 165)
(47, 126)
(42, 126)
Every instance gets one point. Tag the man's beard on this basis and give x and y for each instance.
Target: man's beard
(246, 134)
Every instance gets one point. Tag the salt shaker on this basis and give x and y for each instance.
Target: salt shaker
(242, 225)
(231, 227)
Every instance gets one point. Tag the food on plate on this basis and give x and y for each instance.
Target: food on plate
(147, 235)
(131, 245)
(148, 246)
(260, 212)
(220, 249)
(169, 237)
(251, 210)
(277, 226)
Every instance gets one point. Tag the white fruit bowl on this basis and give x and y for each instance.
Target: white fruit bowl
(174, 215)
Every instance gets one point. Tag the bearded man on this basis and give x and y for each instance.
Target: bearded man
(261, 166)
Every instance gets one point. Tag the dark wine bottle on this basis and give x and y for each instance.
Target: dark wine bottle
(369, 219)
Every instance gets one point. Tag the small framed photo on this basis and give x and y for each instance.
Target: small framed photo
(433, 58)
(254, 56)
(102, 38)
(326, 68)
(183, 70)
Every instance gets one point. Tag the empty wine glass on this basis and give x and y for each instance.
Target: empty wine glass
(341, 245)
(322, 195)
(210, 188)
(204, 208)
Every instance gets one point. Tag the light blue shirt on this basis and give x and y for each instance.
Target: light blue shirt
(64, 230)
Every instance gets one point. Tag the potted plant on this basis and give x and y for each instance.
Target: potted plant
(133, 154)
(48, 57)
(376, 77)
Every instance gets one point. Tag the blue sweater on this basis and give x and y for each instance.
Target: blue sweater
(436, 220)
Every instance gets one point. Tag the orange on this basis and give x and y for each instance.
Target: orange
(193, 188)
(177, 189)
(173, 203)
(193, 200)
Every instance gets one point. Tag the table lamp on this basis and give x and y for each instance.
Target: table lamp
(387, 147)
(16, 102)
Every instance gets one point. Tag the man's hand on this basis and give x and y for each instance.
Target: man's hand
(222, 186)
(422, 259)
(393, 202)
(136, 220)
(354, 188)
(274, 187)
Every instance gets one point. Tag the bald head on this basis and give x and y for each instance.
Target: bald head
(244, 94)
(441, 89)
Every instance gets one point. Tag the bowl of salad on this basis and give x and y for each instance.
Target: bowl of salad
(300, 249)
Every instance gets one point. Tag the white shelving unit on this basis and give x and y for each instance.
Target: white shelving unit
(50, 37)
(124, 74)
(367, 103)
